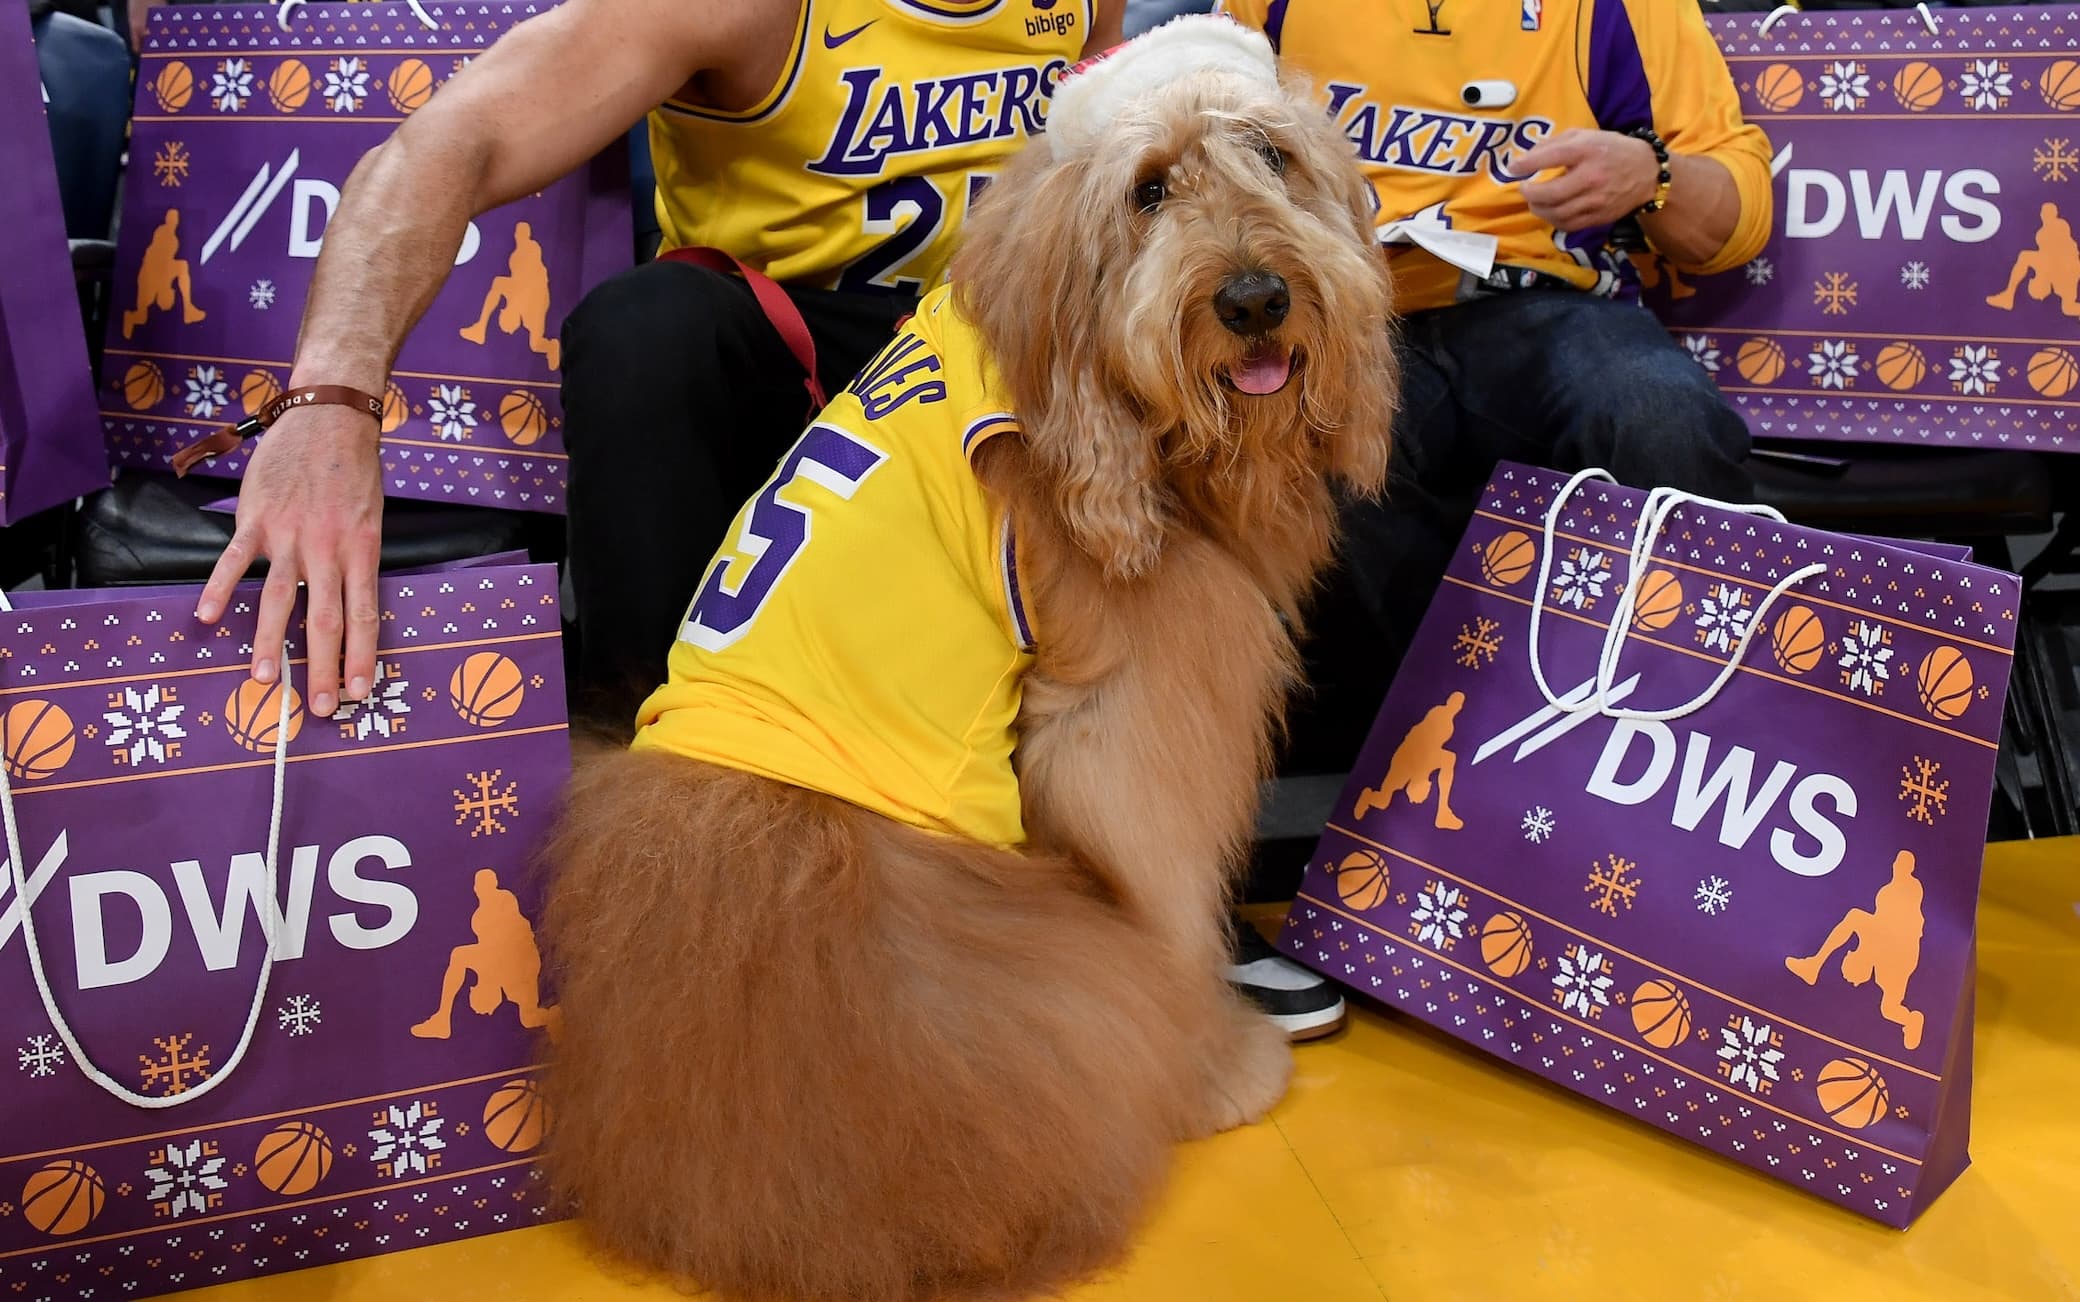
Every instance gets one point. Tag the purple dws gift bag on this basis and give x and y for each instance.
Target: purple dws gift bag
(1921, 278)
(49, 436)
(1718, 872)
(377, 1093)
(245, 131)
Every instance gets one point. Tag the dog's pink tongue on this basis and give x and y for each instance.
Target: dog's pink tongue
(1265, 370)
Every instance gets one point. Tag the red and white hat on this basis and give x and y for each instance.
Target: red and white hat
(1093, 92)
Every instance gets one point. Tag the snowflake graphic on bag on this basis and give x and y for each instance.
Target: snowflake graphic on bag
(1749, 1053)
(381, 712)
(144, 725)
(1845, 86)
(454, 414)
(1581, 578)
(1975, 371)
(1833, 364)
(208, 392)
(407, 1140)
(1987, 84)
(1704, 350)
(1583, 983)
(1723, 616)
(346, 85)
(1866, 657)
(231, 85)
(1438, 921)
(185, 1180)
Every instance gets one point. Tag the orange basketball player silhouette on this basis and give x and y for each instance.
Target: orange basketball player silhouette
(1888, 947)
(521, 298)
(161, 273)
(505, 960)
(1420, 757)
(2053, 266)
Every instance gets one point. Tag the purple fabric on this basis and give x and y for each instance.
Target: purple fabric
(49, 437)
(1616, 905)
(1911, 174)
(1619, 93)
(141, 763)
(244, 135)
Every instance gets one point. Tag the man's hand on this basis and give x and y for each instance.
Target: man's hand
(312, 504)
(1607, 177)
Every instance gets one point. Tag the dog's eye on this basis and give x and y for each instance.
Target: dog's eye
(1274, 157)
(1149, 195)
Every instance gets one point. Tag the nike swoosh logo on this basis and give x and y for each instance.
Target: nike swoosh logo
(831, 42)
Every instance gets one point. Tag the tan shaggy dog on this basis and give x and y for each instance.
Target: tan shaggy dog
(810, 1052)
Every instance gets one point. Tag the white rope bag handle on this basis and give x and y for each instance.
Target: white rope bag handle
(281, 16)
(66, 1036)
(1654, 513)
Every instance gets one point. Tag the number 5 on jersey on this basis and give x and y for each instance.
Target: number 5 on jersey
(772, 533)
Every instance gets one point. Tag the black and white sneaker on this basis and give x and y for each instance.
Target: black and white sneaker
(1298, 1002)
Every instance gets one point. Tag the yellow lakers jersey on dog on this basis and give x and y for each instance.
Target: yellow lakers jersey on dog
(856, 170)
(861, 633)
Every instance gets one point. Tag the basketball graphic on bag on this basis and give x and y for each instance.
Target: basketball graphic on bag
(486, 689)
(2061, 85)
(522, 417)
(174, 86)
(293, 1158)
(1508, 559)
(36, 739)
(63, 1197)
(1759, 361)
(1780, 88)
(1797, 639)
(1506, 944)
(253, 714)
(2052, 372)
(1361, 880)
(1852, 1092)
(1661, 1014)
(1900, 365)
(515, 1118)
(410, 85)
(1660, 600)
(395, 409)
(143, 386)
(1918, 86)
(289, 85)
(256, 390)
(1944, 682)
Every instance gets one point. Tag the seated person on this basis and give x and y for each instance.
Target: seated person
(1516, 154)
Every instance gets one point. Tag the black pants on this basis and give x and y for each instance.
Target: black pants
(679, 398)
(1549, 378)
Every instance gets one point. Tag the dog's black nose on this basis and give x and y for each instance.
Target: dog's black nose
(1253, 303)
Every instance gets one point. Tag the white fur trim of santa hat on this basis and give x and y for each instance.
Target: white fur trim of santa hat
(1094, 91)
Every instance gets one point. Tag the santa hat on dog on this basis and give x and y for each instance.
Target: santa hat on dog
(1093, 92)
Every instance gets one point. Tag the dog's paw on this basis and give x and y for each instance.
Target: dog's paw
(1247, 1074)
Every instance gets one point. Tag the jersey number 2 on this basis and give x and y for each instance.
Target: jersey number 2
(911, 212)
(774, 533)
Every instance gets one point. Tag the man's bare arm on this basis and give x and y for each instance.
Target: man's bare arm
(548, 96)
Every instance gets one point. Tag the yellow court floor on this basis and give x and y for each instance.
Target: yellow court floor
(1403, 1165)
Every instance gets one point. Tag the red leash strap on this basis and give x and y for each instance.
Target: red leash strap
(779, 309)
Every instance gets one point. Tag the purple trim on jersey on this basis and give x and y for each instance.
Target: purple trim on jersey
(997, 422)
(1275, 23)
(1011, 593)
(1619, 94)
(951, 13)
(780, 96)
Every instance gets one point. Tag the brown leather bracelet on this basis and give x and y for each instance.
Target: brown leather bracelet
(228, 438)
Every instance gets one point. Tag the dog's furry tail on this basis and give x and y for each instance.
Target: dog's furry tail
(809, 1053)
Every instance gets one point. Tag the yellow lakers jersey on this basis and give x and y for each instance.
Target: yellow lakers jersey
(861, 633)
(1395, 73)
(857, 169)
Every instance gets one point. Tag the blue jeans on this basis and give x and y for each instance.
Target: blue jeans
(1548, 377)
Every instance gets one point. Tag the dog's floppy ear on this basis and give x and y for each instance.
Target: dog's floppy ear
(1358, 413)
(1031, 274)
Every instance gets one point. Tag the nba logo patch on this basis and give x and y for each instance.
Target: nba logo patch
(1532, 12)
